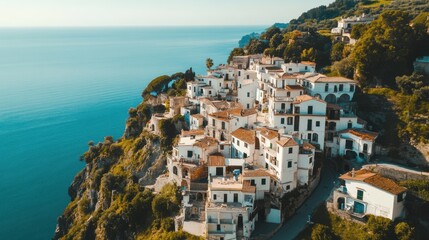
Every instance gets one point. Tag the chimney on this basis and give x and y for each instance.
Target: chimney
(353, 172)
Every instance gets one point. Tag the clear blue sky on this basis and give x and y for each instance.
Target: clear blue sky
(150, 12)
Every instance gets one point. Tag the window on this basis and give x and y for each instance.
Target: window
(296, 109)
(349, 144)
(190, 154)
(238, 142)
(289, 164)
(210, 92)
(317, 123)
(275, 183)
(248, 94)
(288, 187)
(264, 181)
(341, 88)
(309, 137)
(349, 124)
(223, 125)
(290, 150)
(252, 182)
(248, 106)
(360, 194)
(218, 227)
(266, 165)
(352, 88)
(210, 83)
(326, 87)
(335, 89)
(222, 147)
(305, 67)
(365, 147)
(289, 69)
(214, 196)
(310, 110)
(266, 155)
(309, 124)
(233, 140)
(289, 121)
(213, 122)
(315, 137)
(246, 145)
(310, 160)
(271, 145)
(283, 106)
(400, 197)
(288, 94)
(282, 120)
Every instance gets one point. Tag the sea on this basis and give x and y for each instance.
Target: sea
(63, 87)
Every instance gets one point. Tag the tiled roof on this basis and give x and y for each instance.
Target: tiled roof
(361, 133)
(244, 135)
(199, 116)
(320, 78)
(205, 142)
(216, 160)
(304, 98)
(247, 187)
(375, 180)
(308, 63)
(268, 133)
(287, 142)
(256, 173)
(294, 87)
(225, 115)
(307, 145)
(193, 132)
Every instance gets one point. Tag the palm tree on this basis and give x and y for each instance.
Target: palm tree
(209, 63)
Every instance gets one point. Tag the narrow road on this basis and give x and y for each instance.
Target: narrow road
(297, 223)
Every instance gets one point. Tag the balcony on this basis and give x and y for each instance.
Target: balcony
(191, 161)
(282, 111)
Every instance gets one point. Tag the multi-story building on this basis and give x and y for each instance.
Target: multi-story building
(363, 192)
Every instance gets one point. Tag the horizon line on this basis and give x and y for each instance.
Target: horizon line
(130, 26)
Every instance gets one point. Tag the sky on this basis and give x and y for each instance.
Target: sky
(50, 13)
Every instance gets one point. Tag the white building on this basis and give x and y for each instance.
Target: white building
(363, 192)
(344, 27)
(301, 67)
(221, 124)
(355, 143)
(330, 89)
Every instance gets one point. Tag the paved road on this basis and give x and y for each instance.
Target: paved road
(299, 221)
(397, 167)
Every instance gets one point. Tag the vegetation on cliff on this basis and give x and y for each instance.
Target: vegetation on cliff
(108, 197)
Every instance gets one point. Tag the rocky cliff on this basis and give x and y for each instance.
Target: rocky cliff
(108, 198)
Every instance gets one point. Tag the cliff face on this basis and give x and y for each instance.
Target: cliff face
(108, 200)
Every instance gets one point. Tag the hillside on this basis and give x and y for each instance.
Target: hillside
(383, 56)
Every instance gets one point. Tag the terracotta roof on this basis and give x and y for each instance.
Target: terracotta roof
(286, 142)
(225, 115)
(268, 133)
(205, 142)
(256, 173)
(277, 69)
(320, 78)
(361, 133)
(244, 135)
(197, 116)
(305, 97)
(308, 63)
(247, 187)
(307, 145)
(294, 87)
(193, 132)
(216, 160)
(375, 180)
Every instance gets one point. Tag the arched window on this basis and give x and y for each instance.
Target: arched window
(326, 87)
(175, 170)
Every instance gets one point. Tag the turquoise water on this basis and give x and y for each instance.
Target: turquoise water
(60, 88)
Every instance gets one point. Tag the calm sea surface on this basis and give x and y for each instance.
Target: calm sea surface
(60, 88)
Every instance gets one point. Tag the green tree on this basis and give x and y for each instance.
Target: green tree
(276, 40)
(308, 55)
(267, 35)
(209, 63)
(256, 46)
(403, 231)
(321, 232)
(358, 30)
(380, 227)
(386, 49)
(408, 84)
(344, 68)
(235, 52)
(337, 51)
